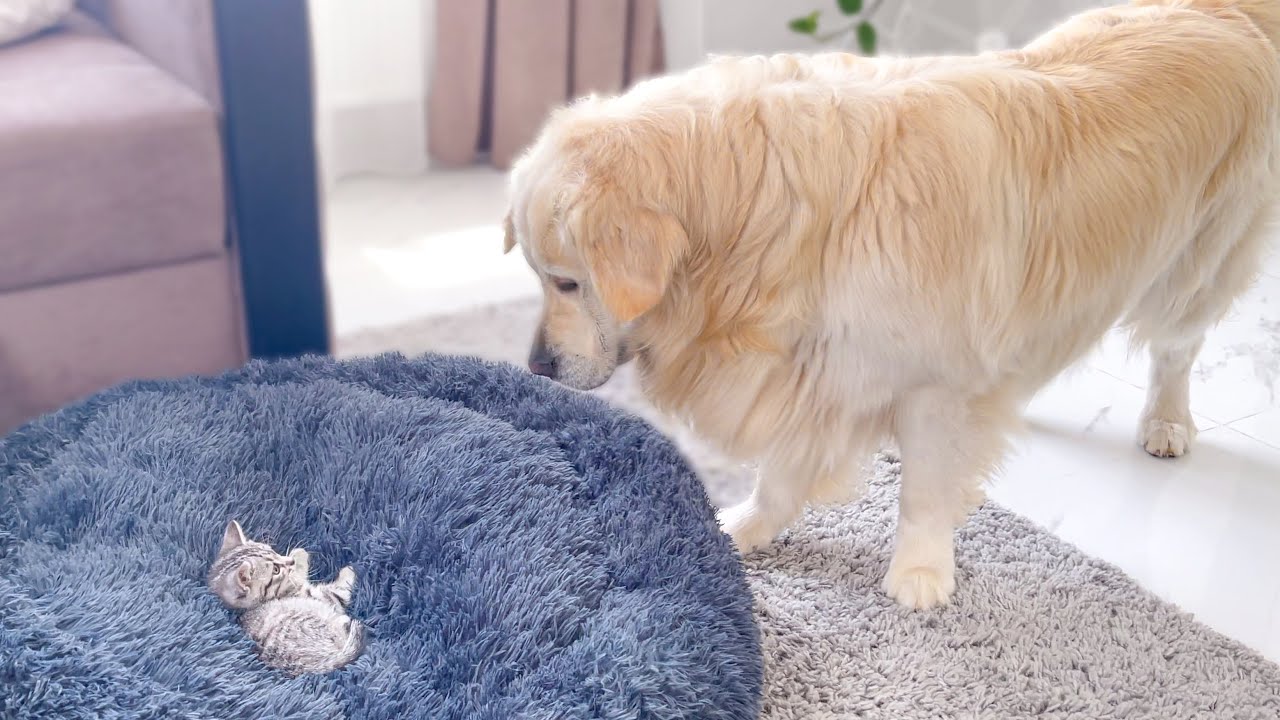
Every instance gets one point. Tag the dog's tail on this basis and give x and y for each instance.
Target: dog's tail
(1265, 14)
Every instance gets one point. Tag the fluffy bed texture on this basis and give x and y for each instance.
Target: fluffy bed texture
(1036, 630)
(522, 551)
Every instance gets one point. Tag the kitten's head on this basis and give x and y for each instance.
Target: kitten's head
(246, 573)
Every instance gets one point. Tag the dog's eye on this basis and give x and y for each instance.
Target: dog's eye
(564, 285)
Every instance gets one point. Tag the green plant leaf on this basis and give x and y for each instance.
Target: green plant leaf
(867, 38)
(806, 25)
(850, 7)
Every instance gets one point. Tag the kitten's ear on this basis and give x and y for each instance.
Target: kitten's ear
(232, 538)
(243, 575)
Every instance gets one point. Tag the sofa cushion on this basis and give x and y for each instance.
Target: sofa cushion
(60, 342)
(106, 162)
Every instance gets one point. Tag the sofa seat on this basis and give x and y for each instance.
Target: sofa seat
(107, 163)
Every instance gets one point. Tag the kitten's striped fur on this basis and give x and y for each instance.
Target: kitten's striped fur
(299, 627)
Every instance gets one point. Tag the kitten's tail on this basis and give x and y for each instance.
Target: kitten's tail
(354, 645)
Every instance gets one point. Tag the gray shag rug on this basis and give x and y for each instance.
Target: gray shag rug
(1037, 629)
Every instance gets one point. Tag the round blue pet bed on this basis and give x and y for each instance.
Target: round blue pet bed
(522, 551)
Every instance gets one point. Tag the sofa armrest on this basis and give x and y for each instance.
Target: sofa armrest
(176, 35)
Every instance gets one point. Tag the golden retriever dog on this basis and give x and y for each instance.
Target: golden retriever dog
(808, 256)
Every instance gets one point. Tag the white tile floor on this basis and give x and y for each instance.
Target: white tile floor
(1202, 531)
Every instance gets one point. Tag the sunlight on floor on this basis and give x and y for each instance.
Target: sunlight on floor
(402, 249)
(447, 261)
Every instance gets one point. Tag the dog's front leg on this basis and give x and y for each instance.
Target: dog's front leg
(949, 444)
(777, 500)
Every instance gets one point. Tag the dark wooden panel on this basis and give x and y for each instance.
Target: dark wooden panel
(265, 57)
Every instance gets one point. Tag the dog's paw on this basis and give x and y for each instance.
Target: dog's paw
(1167, 439)
(749, 528)
(920, 588)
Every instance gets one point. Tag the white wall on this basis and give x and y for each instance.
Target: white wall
(695, 28)
(370, 60)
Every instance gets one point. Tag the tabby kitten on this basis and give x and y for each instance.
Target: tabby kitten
(299, 627)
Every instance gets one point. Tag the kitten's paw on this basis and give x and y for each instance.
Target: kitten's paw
(301, 560)
(1167, 439)
(920, 588)
(347, 577)
(343, 587)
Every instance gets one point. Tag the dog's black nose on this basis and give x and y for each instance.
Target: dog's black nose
(541, 361)
(544, 366)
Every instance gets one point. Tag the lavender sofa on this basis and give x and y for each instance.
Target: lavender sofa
(115, 261)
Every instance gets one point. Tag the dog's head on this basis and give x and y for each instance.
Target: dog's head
(586, 212)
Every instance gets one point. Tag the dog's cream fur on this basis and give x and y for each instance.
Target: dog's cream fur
(811, 255)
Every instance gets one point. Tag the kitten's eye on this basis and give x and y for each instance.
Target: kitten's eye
(275, 570)
(564, 285)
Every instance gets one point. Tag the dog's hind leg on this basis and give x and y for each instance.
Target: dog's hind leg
(1173, 320)
(950, 444)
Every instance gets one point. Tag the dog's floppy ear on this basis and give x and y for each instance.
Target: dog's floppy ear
(631, 252)
(509, 234)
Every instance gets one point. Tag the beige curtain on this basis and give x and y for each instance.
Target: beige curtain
(502, 65)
